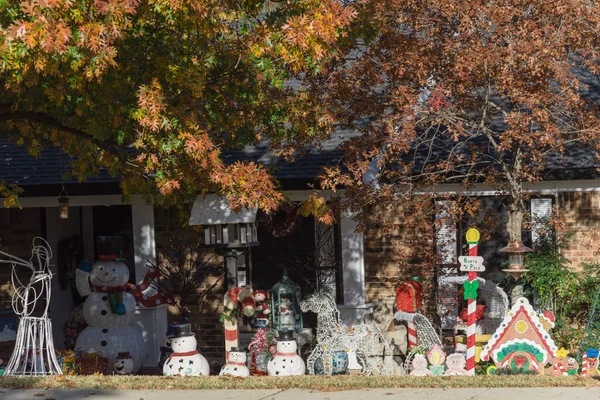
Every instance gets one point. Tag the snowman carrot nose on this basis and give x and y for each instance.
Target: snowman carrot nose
(106, 273)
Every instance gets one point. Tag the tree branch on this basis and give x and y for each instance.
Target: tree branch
(6, 114)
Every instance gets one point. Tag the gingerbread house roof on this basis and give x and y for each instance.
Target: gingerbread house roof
(531, 329)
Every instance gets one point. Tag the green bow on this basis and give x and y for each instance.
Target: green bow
(470, 289)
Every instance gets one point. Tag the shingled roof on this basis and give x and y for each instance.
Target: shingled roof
(18, 167)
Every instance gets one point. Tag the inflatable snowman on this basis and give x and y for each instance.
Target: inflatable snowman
(286, 361)
(236, 364)
(185, 360)
(108, 311)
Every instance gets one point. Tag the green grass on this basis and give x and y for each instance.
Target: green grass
(323, 383)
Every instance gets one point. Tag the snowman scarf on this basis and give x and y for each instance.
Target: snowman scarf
(115, 294)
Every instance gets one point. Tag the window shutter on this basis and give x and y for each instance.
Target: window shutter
(541, 210)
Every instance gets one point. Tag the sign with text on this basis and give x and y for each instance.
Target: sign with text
(471, 263)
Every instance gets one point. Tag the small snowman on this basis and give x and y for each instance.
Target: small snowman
(124, 364)
(419, 366)
(456, 365)
(185, 360)
(236, 364)
(286, 361)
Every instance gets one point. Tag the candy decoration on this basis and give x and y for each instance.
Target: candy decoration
(230, 302)
(520, 341)
(470, 294)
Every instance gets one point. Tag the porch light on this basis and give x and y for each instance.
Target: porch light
(63, 205)
(516, 256)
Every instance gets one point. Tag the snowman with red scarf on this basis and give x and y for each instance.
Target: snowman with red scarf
(185, 360)
(109, 308)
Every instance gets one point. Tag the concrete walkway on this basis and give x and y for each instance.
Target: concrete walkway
(580, 393)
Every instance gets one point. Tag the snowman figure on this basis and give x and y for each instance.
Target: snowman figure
(286, 362)
(108, 311)
(236, 364)
(185, 360)
(124, 364)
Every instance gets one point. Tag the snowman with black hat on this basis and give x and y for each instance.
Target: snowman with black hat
(185, 360)
(236, 364)
(286, 361)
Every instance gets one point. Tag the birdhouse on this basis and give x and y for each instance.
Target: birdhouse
(516, 258)
(224, 227)
(285, 305)
(229, 232)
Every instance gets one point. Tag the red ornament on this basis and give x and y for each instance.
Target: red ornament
(479, 313)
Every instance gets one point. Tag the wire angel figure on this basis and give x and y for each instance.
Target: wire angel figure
(34, 353)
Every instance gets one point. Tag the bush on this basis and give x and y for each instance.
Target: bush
(553, 285)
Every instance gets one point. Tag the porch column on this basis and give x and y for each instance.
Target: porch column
(152, 322)
(353, 272)
(142, 216)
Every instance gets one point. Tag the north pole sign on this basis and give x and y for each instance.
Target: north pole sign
(471, 263)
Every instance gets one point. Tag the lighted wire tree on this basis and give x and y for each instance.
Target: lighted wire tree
(34, 348)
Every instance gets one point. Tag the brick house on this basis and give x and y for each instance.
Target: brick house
(363, 270)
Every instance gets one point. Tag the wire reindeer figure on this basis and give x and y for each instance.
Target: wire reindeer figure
(34, 348)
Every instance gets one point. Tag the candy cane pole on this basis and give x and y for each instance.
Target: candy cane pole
(412, 334)
(473, 241)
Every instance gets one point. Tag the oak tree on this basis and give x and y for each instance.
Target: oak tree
(464, 92)
(155, 90)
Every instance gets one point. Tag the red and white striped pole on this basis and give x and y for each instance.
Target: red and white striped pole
(412, 335)
(472, 240)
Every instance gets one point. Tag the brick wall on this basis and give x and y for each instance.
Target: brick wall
(581, 211)
(396, 255)
(205, 314)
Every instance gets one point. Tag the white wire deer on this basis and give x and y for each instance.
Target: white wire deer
(34, 348)
(363, 339)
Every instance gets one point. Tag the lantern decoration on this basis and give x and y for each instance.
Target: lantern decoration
(516, 252)
(63, 205)
(285, 305)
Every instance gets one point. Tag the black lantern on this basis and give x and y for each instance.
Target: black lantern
(285, 305)
(63, 205)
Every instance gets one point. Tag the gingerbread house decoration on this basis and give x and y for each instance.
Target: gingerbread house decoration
(521, 341)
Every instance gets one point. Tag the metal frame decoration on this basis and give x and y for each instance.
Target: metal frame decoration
(363, 339)
(34, 353)
(426, 335)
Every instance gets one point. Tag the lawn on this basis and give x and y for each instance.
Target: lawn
(305, 382)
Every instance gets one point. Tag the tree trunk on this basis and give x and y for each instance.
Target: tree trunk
(514, 226)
